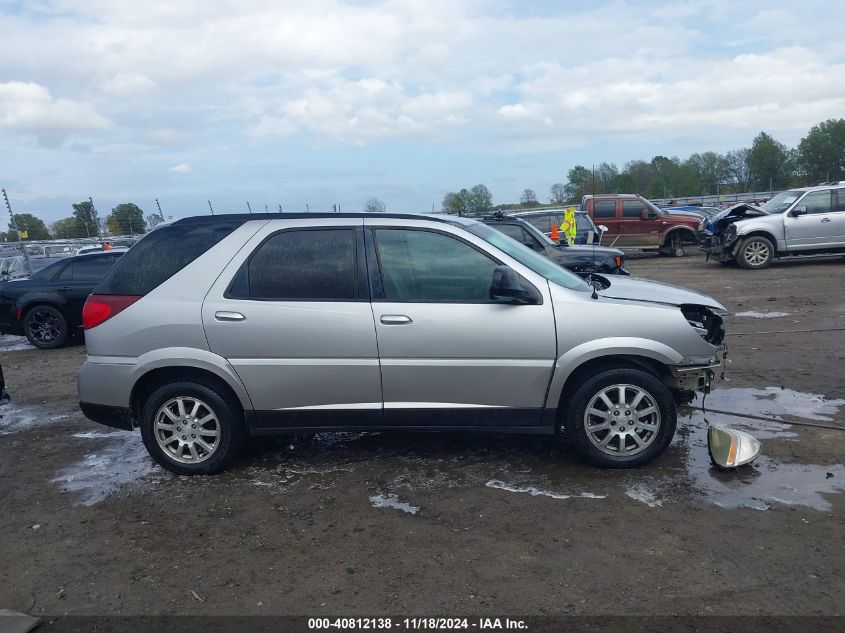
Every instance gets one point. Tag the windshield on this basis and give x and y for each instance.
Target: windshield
(781, 202)
(527, 257)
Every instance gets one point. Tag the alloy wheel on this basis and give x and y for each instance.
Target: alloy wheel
(44, 326)
(756, 253)
(187, 430)
(622, 420)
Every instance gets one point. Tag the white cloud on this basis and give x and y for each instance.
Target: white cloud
(128, 85)
(29, 107)
(181, 168)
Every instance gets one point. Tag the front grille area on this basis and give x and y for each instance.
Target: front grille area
(706, 322)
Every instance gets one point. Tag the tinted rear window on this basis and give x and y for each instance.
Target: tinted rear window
(304, 265)
(160, 255)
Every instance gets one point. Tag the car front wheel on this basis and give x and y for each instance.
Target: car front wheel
(756, 252)
(621, 418)
(190, 429)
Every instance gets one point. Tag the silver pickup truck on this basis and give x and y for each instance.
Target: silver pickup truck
(806, 221)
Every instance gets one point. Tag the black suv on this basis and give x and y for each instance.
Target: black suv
(581, 260)
(47, 307)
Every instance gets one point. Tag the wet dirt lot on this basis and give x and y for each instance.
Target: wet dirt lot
(452, 523)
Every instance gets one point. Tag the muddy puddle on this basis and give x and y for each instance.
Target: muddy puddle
(390, 469)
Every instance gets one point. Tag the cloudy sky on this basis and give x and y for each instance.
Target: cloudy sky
(326, 101)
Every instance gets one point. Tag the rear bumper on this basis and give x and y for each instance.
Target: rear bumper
(115, 417)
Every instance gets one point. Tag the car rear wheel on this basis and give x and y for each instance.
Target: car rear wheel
(45, 327)
(190, 429)
(621, 418)
(756, 252)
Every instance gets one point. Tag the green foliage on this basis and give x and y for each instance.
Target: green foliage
(68, 228)
(35, 227)
(768, 163)
(464, 202)
(821, 154)
(126, 219)
(86, 218)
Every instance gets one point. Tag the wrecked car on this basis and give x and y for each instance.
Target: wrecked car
(806, 221)
(297, 323)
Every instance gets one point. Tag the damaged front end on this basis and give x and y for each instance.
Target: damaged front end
(699, 373)
(718, 236)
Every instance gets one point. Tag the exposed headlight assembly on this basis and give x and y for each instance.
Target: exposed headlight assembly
(706, 322)
(730, 448)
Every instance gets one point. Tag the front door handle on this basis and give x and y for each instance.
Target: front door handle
(826, 220)
(223, 315)
(395, 319)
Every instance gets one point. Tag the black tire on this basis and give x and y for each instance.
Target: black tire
(45, 327)
(755, 253)
(228, 414)
(657, 395)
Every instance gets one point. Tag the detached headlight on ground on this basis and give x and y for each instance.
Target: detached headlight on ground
(730, 448)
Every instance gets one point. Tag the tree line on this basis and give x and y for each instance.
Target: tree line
(125, 219)
(768, 165)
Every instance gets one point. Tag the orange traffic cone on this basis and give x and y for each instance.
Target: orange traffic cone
(555, 235)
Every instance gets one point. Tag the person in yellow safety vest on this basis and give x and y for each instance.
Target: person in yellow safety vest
(567, 227)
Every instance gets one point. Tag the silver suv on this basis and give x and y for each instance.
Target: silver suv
(213, 329)
(808, 221)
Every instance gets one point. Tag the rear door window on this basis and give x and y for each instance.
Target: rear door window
(89, 269)
(604, 208)
(300, 265)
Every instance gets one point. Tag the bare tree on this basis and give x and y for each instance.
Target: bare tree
(528, 197)
(558, 193)
(374, 205)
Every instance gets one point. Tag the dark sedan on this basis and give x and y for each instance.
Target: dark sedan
(579, 259)
(47, 307)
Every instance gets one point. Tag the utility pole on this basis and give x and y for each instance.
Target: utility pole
(17, 232)
(307, 208)
(249, 207)
(210, 207)
(594, 180)
(160, 214)
(265, 209)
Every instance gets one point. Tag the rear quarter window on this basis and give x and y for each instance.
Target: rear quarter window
(160, 255)
(604, 208)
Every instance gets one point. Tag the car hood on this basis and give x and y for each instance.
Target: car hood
(634, 289)
(587, 249)
(682, 215)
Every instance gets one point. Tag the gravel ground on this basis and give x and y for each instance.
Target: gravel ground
(451, 523)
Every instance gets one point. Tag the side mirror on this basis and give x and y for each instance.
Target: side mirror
(505, 285)
(802, 210)
(647, 214)
(602, 230)
(531, 245)
(730, 448)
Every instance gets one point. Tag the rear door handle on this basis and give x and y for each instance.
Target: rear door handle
(229, 316)
(395, 319)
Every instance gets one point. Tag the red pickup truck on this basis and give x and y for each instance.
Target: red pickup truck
(634, 222)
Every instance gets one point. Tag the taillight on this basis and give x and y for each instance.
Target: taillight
(100, 308)
(618, 261)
